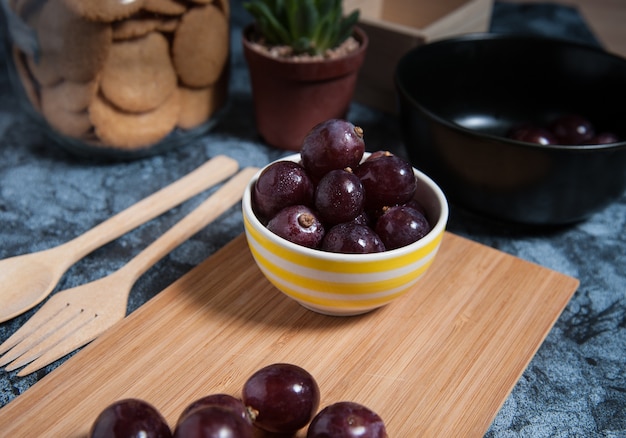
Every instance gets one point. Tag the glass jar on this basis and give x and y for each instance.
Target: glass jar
(119, 78)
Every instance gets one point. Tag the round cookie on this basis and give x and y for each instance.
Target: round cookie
(198, 104)
(165, 7)
(201, 46)
(135, 27)
(133, 131)
(104, 10)
(138, 74)
(71, 96)
(44, 70)
(77, 46)
(69, 123)
(224, 5)
(168, 25)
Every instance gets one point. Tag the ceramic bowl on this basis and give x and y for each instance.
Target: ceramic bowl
(346, 284)
(459, 97)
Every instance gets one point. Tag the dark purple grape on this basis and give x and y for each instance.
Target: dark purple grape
(298, 224)
(377, 154)
(400, 226)
(280, 185)
(414, 203)
(213, 421)
(387, 180)
(333, 144)
(282, 397)
(572, 129)
(339, 197)
(352, 238)
(347, 420)
(603, 138)
(130, 418)
(224, 400)
(532, 134)
(363, 219)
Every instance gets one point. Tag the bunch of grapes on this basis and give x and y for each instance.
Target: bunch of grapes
(278, 399)
(335, 201)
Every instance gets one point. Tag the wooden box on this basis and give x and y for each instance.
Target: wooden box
(396, 26)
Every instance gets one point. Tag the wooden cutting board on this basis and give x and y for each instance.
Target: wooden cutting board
(439, 362)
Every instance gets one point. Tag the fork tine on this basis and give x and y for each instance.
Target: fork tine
(43, 316)
(55, 335)
(66, 328)
(46, 347)
(36, 338)
(85, 334)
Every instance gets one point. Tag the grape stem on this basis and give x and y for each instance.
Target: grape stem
(306, 220)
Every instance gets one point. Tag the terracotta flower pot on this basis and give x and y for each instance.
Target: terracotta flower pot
(291, 97)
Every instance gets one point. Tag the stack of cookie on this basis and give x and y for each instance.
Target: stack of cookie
(123, 74)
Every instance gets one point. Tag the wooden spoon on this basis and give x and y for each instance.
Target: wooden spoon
(25, 280)
(74, 317)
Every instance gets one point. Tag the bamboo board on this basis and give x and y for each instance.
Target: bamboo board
(439, 362)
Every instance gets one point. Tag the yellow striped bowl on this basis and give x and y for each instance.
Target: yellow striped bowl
(345, 284)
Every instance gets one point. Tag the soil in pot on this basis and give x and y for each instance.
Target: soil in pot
(293, 94)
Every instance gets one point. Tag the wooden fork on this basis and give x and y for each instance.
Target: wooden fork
(74, 317)
(27, 279)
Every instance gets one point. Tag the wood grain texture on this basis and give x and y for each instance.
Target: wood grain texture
(438, 362)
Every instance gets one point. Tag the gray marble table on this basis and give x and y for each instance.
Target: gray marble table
(575, 386)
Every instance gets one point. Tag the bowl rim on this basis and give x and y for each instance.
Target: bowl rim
(485, 36)
(435, 233)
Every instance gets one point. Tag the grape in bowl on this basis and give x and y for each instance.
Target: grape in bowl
(345, 284)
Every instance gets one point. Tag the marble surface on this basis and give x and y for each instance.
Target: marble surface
(575, 386)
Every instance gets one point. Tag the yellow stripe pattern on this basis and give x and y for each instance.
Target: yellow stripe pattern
(331, 282)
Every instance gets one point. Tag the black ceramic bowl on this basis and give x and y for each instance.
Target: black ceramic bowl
(458, 98)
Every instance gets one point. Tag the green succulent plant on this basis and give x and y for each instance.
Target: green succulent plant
(307, 26)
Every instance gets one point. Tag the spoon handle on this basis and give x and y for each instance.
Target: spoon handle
(210, 209)
(210, 173)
